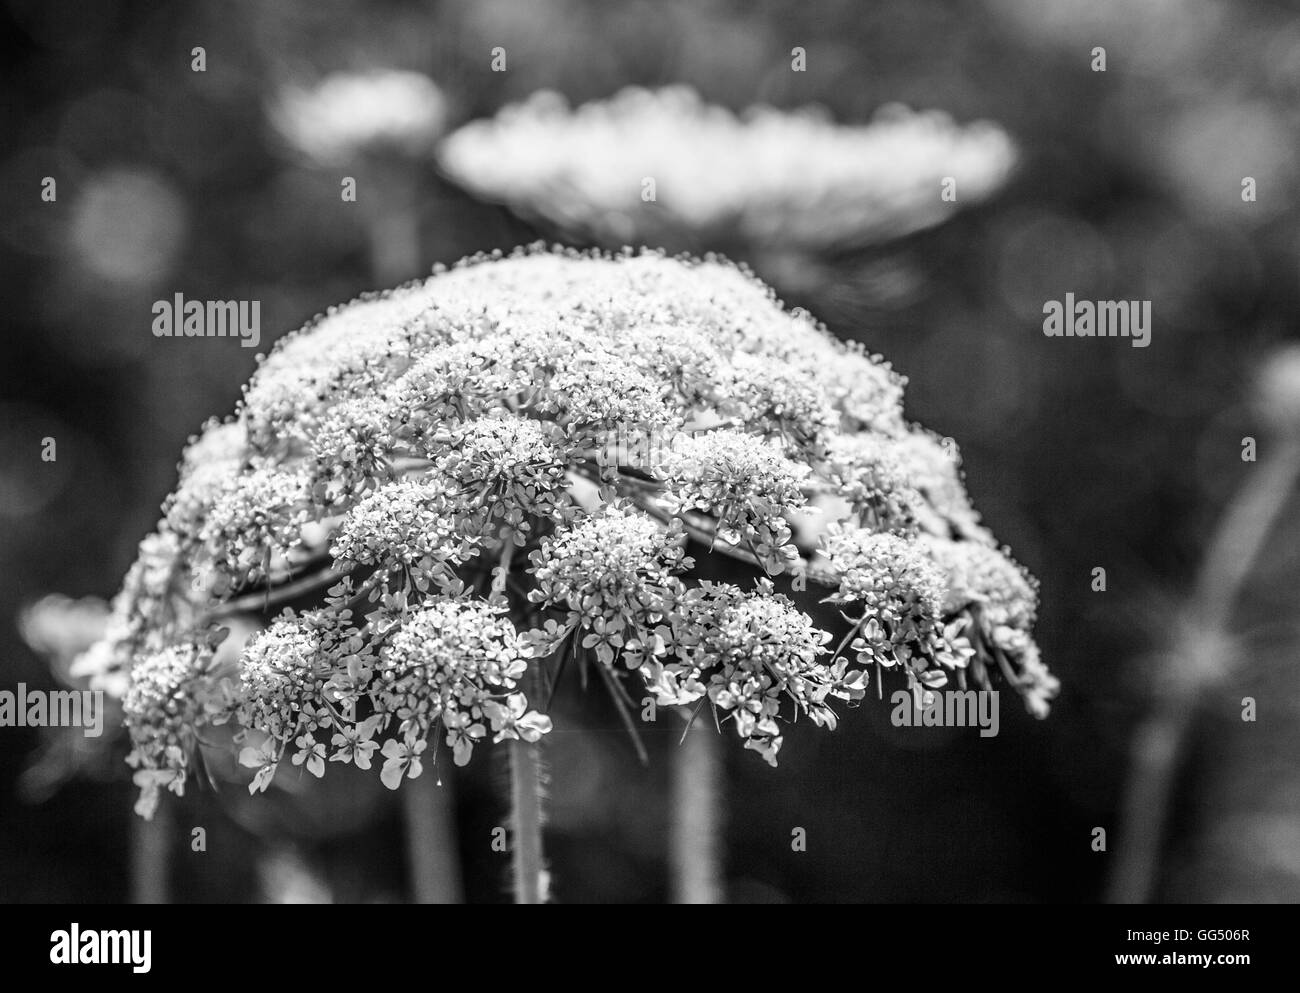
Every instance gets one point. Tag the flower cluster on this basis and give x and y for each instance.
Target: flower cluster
(254, 522)
(169, 699)
(995, 601)
(458, 662)
(897, 590)
(409, 525)
(748, 653)
(434, 466)
(767, 177)
(509, 466)
(615, 576)
(746, 483)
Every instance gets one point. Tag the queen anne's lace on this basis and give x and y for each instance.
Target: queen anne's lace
(347, 114)
(790, 180)
(448, 468)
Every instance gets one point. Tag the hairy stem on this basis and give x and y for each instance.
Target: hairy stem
(695, 832)
(526, 822)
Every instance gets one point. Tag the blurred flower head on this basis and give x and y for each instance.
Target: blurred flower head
(61, 628)
(349, 114)
(766, 179)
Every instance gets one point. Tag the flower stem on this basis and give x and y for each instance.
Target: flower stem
(1197, 663)
(526, 822)
(427, 810)
(694, 853)
(151, 856)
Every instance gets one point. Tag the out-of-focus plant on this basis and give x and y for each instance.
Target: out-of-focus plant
(381, 126)
(447, 465)
(665, 168)
(1207, 650)
(347, 115)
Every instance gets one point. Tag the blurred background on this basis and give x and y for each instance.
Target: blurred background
(1079, 453)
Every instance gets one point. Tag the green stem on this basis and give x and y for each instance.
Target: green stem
(695, 832)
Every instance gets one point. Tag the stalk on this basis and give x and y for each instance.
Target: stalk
(526, 822)
(694, 840)
(432, 857)
(1161, 740)
(151, 849)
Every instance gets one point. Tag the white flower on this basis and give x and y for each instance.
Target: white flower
(349, 113)
(767, 177)
(430, 468)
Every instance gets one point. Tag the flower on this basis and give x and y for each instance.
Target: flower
(511, 465)
(987, 577)
(766, 177)
(311, 753)
(747, 652)
(353, 743)
(513, 719)
(614, 573)
(168, 702)
(449, 662)
(415, 525)
(256, 519)
(401, 759)
(349, 113)
(746, 483)
(282, 671)
(441, 474)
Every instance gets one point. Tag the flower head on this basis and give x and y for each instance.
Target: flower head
(349, 113)
(443, 471)
(767, 177)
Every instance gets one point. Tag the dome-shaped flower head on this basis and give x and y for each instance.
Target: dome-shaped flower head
(664, 167)
(444, 479)
(346, 114)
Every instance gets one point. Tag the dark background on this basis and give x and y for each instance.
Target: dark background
(1080, 453)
